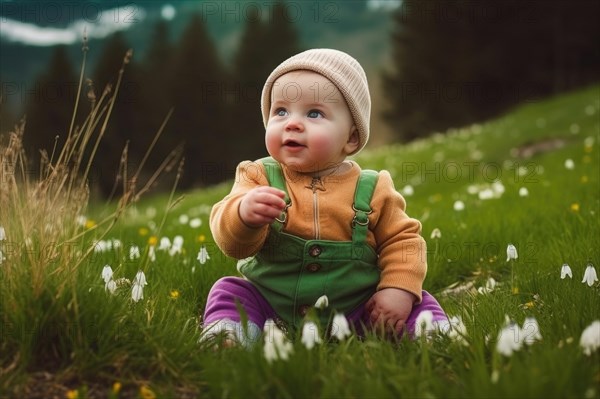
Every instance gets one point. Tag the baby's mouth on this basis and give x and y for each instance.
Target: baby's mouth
(292, 143)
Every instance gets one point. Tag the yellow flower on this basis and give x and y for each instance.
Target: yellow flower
(588, 148)
(174, 294)
(143, 231)
(575, 207)
(584, 179)
(147, 393)
(90, 223)
(116, 388)
(72, 394)
(152, 240)
(515, 290)
(201, 238)
(529, 305)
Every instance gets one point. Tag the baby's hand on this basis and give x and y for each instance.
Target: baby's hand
(261, 205)
(389, 309)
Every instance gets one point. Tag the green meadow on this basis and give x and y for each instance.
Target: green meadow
(529, 178)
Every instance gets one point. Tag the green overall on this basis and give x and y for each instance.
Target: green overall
(292, 273)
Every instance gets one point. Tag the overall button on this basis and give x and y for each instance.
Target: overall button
(303, 310)
(315, 251)
(313, 267)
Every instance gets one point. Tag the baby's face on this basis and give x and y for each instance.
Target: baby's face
(310, 127)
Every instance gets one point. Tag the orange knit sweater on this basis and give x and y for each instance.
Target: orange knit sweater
(322, 209)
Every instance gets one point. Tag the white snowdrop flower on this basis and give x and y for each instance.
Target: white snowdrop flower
(340, 327)
(511, 252)
(486, 194)
(107, 273)
(203, 255)
(590, 276)
(81, 220)
(408, 190)
(436, 234)
(531, 331)
(2, 234)
(523, 192)
(509, 339)
(101, 246)
(111, 286)
(277, 345)
(490, 285)
(165, 244)
(454, 329)
(565, 271)
(152, 253)
(178, 241)
(310, 335)
(140, 278)
(137, 292)
(569, 164)
(424, 324)
(590, 338)
(322, 302)
(177, 246)
(589, 141)
(134, 252)
(195, 223)
(2, 258)
(459, 206)
(498, 188)
(184, 219)
(590, 110)
(150, 212)
(115, 243)
(473, 189)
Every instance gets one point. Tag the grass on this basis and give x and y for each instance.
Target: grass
(57, 317)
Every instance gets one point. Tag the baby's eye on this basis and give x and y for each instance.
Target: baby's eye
(281, 112)
(313, 113)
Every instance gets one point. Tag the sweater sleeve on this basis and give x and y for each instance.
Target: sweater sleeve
(231, 234)
(401, 248)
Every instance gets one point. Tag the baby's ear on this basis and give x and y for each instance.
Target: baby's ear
(353, 140)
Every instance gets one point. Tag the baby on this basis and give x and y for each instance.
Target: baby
(307, 222)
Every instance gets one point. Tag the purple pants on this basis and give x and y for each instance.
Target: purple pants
(221, 305)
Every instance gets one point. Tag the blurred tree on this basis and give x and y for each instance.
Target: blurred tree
(459, 62)
(50, 106)
(262, 47)
(124, 119)
(157, 96)
(200, 117)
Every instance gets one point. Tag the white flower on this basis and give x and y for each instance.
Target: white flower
(565, 271)
(408, 190)
(165, 244)
(490, 285)
(134, 252)
(202, 255)
(310, 335)
(340, 327)
(590, 276)
(140, 278)
(152, 253)
(2, 258)
(511, 252)
(569, 164)
(277, 345)
(110, 286)
(486, 194)
(2, 234)
(195, 223)
(510, 339)
(531, 331)
(436, 233)
(183, 219)
(177, 245)
(107, 273)
(459, 206)
(455, 330)
(322, 302)
(590, 338)
(137, 292)
(424, 324)
(523, 192)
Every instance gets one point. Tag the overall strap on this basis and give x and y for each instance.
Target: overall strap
(276, 179)
(365, 187)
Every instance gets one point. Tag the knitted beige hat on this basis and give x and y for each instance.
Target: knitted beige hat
(343, 71)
